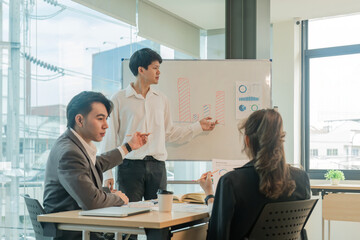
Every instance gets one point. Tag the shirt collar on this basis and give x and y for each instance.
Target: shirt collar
(90, 148)
(130, 91)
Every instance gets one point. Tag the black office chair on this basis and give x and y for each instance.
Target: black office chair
(283, 220)
(43, 231)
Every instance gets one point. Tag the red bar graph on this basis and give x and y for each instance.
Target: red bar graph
(220, 107)
(184, 99)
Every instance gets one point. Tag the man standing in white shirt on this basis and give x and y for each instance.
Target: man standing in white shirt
(140, 108)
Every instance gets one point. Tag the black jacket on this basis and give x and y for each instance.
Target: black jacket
(238, 201)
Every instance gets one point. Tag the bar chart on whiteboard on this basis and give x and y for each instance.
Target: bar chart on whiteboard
(192, 113)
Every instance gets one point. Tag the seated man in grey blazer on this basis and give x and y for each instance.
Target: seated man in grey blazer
(74, 174)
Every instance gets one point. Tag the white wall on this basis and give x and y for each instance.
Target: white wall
(286, 82)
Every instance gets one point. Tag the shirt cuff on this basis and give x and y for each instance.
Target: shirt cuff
(210, 207)
(121, 152)
(196, 128)
(108, 175)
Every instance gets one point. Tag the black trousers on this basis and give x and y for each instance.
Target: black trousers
(141, 178)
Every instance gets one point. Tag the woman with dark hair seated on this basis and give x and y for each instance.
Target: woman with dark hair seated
(241, 194)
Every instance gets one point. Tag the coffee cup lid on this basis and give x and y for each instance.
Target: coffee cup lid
(162, 191)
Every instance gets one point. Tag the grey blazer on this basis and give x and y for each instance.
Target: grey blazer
(71, 179)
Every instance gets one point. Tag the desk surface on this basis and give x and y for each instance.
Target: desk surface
(153, 219)
(336, 187)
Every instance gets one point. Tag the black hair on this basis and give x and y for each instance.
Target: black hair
(143, 58)
(81, 104)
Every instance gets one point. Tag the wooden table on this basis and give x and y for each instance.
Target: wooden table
(339, 203)
(155, 224)
(327, 188)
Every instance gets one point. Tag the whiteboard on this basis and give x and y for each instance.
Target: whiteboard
(226, 90)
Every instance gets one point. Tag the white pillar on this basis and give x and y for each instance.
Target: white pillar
(286, 83)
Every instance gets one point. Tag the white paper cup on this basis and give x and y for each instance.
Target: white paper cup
(165, 199)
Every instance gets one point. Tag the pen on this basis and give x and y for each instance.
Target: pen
(205, 176)
(154, 202)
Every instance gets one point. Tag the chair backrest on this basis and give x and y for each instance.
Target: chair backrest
(282, 220)
(35, 209)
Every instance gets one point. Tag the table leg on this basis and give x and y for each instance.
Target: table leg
(118, 236)
(323, 230)
(157, 234)
(85, 235)
(328, 229)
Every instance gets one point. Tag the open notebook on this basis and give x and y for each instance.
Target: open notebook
(114, 212)
(190, 198)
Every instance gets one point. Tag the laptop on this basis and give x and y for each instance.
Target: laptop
(114, 212)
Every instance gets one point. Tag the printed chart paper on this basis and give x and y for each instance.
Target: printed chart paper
(223, 166)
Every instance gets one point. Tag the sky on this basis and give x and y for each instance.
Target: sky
(334, 81)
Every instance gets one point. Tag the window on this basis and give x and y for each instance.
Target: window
(65, 48)
(331, 53)
(40, 147)
(355, 152)
(21, 148)
(181, 175)
(331, 152)
(314, 152)
(3, 148)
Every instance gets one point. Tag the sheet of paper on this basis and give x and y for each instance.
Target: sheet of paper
(223, 166)
(141, 204)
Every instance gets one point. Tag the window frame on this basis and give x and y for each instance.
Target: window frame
(308, 54)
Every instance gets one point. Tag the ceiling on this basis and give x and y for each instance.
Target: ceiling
(210, 14)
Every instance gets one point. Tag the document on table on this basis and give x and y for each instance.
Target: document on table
(141, 204)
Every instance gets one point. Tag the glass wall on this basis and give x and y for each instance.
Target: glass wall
(50, 51)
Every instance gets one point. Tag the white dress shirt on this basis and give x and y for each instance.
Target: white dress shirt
(91, 148)
(134, 113)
